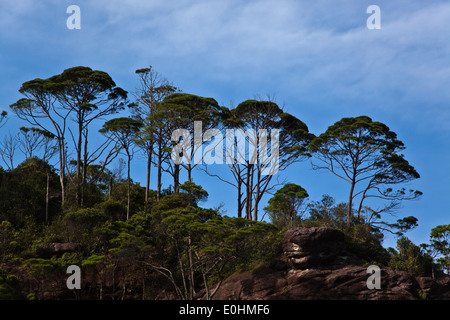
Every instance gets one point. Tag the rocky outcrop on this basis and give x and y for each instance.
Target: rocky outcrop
(49, 249)
(347, 283)
(321, 267)
(307, 247)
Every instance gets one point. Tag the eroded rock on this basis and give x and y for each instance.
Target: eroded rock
(322, 268)
(49, 249)
(306, 247)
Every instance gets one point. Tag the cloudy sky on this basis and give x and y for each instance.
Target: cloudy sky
(317, 57)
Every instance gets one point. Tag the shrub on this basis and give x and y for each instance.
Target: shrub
(9, 287)
(411, 258)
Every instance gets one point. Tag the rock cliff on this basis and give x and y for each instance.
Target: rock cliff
(321, 267)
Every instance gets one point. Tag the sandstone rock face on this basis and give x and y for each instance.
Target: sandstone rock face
(49, 249)
(306, 247)
(322, 268)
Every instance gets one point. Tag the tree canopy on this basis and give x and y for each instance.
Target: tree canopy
(285, 206)
(366, 154)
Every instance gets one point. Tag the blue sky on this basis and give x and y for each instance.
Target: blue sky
(317, 57)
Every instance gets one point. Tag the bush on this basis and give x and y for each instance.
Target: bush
(9, 287)
(115, 210)
(366, 244)
(411, 258)
(77, 225)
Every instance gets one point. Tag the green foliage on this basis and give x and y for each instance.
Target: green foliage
(285, 206)
(24, 192)
(54, 265)
(207, 245)
(184, 108)
(67, 259)
(361, 238)
(171, 201)
(41, 266)
(10, 287)
(365, 243)
(84, 219)
(440, 244)
(197, 193)
(402, 225)
(83, 226)
(119, 198)
(326, 213)
(411, 258)
(93, 260)
(366, 154)
(114, 209)
(122, 128)
(92, 195)
(6, 239)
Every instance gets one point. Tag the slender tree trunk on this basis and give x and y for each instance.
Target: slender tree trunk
(143, 283)
(110, 188)
(79, 173)
(176, 178)
(63, 187)
(189, 171)
(84, 167)
(205, 282)
(82, 182)
(250, 193)
(158, 188)
(248, 206)
(191, 269)
(183, 277)
(79, 146)
(149, 166)
(257, 197)
(62, 165)
(129, 186)
(255, 207)
(47, 198)
(239, 198)
(361, 203)
(350, 202)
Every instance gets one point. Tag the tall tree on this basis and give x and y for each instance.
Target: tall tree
(440, 245)
(79, 94)
(152, 90)
(285, 207)
(159, 128)
(89, 95)
(24, 192)
(365, 154)
(197, 116)
(123, 131)
(253, 169)
(40, 108)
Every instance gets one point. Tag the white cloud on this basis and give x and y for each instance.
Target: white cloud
(320, 51)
